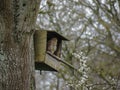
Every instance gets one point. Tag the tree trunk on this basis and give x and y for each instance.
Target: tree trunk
(17, 20)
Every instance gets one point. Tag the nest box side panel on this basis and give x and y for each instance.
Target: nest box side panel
(40, 38)
(52, 62)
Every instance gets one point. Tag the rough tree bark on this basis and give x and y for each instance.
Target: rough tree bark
(17, 20)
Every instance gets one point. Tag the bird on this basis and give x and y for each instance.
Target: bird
(52, 45)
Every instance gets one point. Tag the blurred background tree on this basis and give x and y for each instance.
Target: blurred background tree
(93, 27)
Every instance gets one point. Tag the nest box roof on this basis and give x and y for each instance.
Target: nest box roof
(55, 34)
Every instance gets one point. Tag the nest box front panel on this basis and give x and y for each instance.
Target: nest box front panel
(40, 37)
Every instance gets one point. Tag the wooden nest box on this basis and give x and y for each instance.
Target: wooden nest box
(47, 46)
